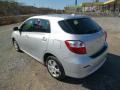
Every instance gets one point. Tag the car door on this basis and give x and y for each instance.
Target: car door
(38, 38)
(25, 29)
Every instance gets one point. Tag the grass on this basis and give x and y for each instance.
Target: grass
(12, 19)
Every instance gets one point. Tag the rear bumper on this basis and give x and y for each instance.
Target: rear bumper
(80, 67)
(85, 72)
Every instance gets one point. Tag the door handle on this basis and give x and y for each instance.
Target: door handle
(44, 39)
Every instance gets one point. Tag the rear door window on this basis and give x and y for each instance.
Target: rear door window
(79, 26)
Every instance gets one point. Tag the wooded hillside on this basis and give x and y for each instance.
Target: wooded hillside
(10, 8)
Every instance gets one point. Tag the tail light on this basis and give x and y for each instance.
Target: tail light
(76, 46)
(105, 35)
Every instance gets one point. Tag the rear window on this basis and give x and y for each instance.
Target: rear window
(80, 26)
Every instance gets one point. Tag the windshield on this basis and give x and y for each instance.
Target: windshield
(80, 26)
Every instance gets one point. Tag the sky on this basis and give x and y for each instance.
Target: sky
(55, 4)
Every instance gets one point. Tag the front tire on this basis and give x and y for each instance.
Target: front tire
(16, 46)
(55, 68)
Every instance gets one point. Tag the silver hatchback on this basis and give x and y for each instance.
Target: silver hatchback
(68, 45)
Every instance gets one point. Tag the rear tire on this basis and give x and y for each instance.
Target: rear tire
(55, 68)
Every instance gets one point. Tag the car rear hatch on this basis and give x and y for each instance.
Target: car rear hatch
(93, 42)
(87, 31)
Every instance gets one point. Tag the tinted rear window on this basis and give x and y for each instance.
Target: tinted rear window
(79, 26)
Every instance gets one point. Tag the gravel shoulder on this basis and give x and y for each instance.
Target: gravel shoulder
(18, 71)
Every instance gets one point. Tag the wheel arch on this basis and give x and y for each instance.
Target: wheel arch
(50, 54)
(57, 61)
(45, 57)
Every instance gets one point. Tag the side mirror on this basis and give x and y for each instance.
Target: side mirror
(15, 28)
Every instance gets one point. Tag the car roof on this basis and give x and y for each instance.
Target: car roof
(60, 16)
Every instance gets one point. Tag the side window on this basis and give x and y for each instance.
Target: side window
(41, 25)
(28, 26)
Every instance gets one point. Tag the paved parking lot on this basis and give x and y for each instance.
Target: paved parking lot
(18, 71)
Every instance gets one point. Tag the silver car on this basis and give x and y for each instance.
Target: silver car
(68, 45)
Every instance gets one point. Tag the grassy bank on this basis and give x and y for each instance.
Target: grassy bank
(12, 19)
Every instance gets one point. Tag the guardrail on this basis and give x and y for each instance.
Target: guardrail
(101, 14)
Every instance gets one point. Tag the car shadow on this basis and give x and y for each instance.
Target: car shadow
(106, 78)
